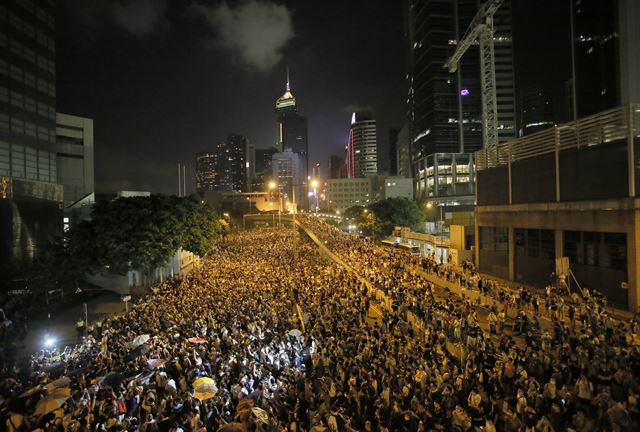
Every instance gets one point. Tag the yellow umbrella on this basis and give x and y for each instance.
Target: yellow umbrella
(55, 400)
(59, 383)
(260, 414)
(204, 388)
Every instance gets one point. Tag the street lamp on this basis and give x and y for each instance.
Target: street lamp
(272, 185)
(314, 185)
(429, 205)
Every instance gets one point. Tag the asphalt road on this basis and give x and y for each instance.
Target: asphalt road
(61, 326)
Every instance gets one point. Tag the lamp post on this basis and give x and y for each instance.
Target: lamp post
(314, 185)
(272, 186)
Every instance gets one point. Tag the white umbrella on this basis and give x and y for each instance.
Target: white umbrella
(295, 332)
(139, 340)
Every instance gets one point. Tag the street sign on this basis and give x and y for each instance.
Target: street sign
(126, 298)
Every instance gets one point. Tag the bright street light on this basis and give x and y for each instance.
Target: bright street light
(314, 184)
(49, 341)
(272, 185)
(429, 205)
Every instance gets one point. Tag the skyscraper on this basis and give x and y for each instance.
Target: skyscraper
(336, 166)
(74, 156)
(606, 42)
(288, 171)
(536, 110)
(237, 158)
(206, 172)
(393, 151)
(224, 169)
(362, 149)
(30, 197)
(263, 171)
(403, 152)
(445, 108)
(292, 128)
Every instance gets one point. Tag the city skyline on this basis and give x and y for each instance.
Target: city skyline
(188, 89)
(189, 84)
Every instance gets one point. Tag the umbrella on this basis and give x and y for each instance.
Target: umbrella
(204, 388)
(139, 340)
(54, 401)
(78, 371)
(142, 349)
(30, 392)
(243, 409)
(260, 414)
(60, 382)
(232, 427)
(295, 332)
(144, 379)
(197, 340)
(112, 379)
(155, 363)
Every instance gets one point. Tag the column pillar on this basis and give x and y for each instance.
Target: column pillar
(512, 253)
(476, 252)
(559, 243)
(633, 263)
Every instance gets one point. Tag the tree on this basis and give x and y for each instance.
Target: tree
(143, 232)
(395, 212)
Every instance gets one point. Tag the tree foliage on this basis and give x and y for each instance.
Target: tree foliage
(143, 232)
(396, 211)
(380, 217)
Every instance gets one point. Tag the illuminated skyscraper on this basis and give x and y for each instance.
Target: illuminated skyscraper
(292, 128)
(225, 168)
(206, 172)
(31, 199)
(445, 108)
(362, 149)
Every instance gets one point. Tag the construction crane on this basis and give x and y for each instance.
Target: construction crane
(481, 31)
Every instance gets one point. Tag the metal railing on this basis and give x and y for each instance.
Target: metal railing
(601, 128)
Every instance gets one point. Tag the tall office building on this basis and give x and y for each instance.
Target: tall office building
(206, 172)
(287, 170)
(444, 108)
(292, 127)
(403, 152)
(362, 149)
(606, 42)
(393, 151)
(30, 197)
(262, 168)
(250, 165)
(536, 111)
(336, 167)
(237, 159)
(225, 168)
(74, 156)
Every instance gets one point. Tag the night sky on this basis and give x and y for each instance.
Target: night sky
(164, 79)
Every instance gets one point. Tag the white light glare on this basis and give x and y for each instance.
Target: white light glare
(49, 341)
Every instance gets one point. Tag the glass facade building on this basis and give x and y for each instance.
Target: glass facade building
(31, 200)
(445, 108)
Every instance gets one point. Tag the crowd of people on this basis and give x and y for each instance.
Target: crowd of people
(589, 359)
(270, 336)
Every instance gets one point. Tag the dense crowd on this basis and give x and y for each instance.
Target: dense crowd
(270, 336)
(578, 372)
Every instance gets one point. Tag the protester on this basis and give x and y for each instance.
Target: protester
(270, 336)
